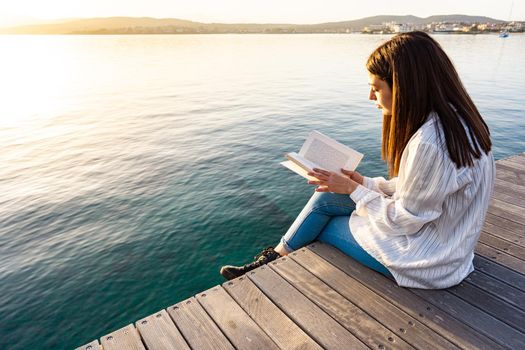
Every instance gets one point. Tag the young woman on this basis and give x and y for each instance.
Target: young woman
(422, 225)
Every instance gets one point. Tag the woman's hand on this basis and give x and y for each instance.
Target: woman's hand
(328, 181)
(354, 175)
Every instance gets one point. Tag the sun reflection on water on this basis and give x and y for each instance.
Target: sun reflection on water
(34, 77)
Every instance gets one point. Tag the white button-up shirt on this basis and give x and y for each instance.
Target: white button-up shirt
(424, 224)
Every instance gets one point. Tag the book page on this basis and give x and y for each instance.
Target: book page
(324, 156)
(328, 153)
(297, 169)
(301, 161)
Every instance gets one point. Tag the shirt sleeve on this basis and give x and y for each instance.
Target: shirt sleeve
(427, 179)
(379, 184)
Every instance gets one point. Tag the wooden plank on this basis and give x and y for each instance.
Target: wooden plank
(507, 210)
(505, 234)
(490, 304)
(497, 288)
(520, 202)
(474, 317)
(509, 188)
(509, 174)
(197, 327)
(126, 338)
(429, 319)
(284, 332)
(517, 211)
(315, 322)
(508, 193)
(159, 332)
(329, 269)
(506, 224)
(499, 272)
(358, 322)
(94, 345)
(500, 257)
(503, 245)
(509, 165)
(240, 329)
(512, 165)
(520, 158)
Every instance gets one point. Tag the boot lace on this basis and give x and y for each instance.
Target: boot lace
(265, 253)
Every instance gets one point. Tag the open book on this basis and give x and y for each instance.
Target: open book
(320, 151)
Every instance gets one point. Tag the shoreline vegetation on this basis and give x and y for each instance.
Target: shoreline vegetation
(446, 24)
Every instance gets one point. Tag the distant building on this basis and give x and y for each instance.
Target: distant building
(401, 27)
(376, 28)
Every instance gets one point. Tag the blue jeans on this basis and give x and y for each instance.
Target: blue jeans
(326, 218)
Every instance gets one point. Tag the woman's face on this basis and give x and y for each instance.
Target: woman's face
(381, 93)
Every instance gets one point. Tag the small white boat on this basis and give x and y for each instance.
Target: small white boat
(505, 32)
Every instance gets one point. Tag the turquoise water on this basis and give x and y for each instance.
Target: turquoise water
(133, 167)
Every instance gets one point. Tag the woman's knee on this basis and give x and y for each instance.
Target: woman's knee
(321, 200)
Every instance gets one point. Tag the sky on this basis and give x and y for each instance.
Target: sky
(253, 11)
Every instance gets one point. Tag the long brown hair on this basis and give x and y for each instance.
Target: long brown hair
(423, 79)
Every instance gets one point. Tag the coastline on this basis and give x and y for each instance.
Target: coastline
(383, 24)
(264, 33)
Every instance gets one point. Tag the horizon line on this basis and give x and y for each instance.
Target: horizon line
(51, 21)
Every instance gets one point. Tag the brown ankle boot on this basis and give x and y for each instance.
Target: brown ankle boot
(267, 255)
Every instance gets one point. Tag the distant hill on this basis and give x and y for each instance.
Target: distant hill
(363, 22)
(147, 25)
(97, 24)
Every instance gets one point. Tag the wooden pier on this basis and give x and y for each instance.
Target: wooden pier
(319, 298)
